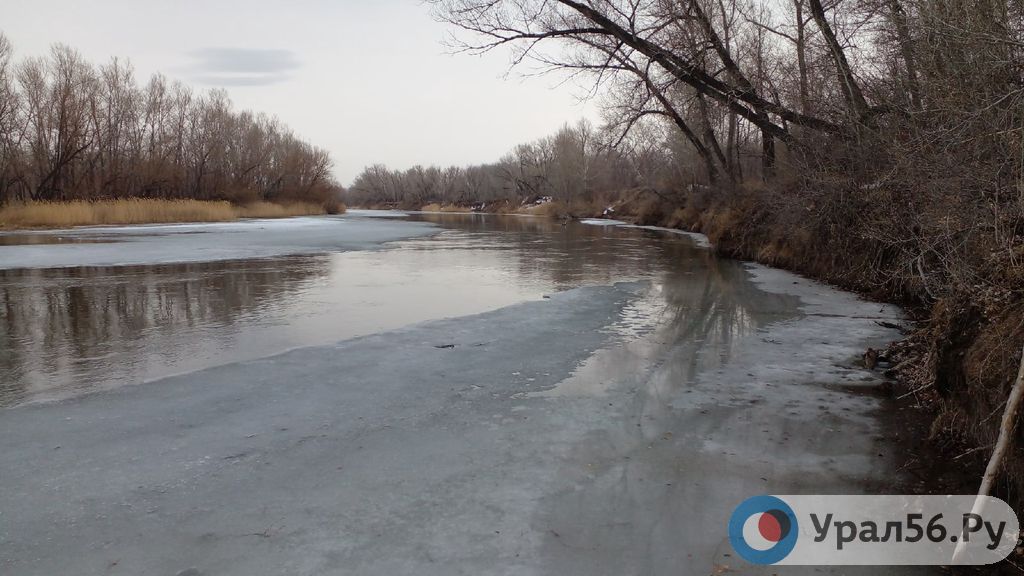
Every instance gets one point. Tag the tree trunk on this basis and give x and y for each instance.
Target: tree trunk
(899, 19)
(801, 56)
(767, 156)
(855, 101)
(710, 139)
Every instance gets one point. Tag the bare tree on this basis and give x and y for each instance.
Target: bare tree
(69, 130)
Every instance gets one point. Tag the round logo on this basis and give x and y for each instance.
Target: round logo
(763, 530)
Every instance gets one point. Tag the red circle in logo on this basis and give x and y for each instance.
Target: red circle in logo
(769, 527)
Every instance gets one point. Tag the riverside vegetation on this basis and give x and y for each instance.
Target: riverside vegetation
(143, 211)
(85, 144)
(874, 144)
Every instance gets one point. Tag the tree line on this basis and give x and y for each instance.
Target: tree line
(70, 130)
(575, 165)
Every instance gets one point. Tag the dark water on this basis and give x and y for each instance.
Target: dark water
(72, 330)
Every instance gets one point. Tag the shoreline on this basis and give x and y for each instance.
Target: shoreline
(36, 216)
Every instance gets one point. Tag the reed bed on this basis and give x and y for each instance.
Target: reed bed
(435, 207)
(142, 211)
(273, 210)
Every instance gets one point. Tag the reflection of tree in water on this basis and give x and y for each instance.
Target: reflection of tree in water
(706, 298)
(711, 305)
(718, 306)
(705, 305)
(60, 324)
(569, 255)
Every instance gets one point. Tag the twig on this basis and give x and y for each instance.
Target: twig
(915, 391)
(971, 451)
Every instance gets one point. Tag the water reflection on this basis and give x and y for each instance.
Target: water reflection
(66, 331)
(695, 296)
(76, 329)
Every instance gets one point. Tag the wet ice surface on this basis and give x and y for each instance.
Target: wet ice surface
(608, 429)
(601, 222)
(174, 243)
(698, 239)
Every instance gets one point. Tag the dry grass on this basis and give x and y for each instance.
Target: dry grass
(272, 210)
(548, 209)
(136, 211)
(142, 211)
(435, 207)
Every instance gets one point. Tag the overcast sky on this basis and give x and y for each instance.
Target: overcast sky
(370, 80)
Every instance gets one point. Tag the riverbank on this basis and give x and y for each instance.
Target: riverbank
(148, 211)
(543, 206)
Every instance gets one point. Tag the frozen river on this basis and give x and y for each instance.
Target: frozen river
(416, 394)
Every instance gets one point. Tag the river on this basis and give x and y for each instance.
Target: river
(391, 393)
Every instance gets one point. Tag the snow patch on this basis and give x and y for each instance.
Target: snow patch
(699, 239)
(602, 222)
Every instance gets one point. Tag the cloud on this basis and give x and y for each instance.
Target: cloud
(242, 66)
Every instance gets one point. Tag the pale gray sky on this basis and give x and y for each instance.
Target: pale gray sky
(369, 80)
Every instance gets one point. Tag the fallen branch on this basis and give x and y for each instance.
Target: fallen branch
(1005, 432)
(915, 391)
(971, 451)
